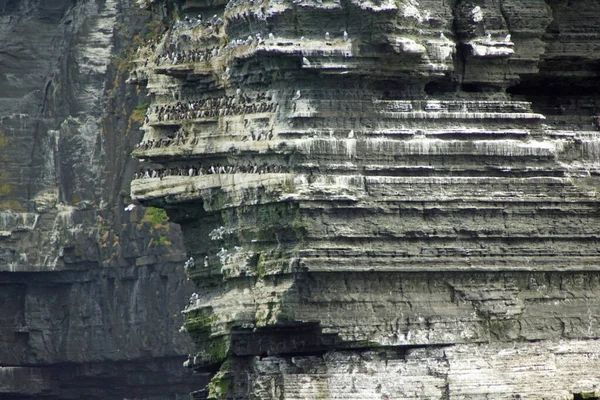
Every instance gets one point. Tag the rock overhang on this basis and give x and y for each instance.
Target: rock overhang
(320, 186)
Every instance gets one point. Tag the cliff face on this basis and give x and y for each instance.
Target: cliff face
(383, 199)
(90, 294)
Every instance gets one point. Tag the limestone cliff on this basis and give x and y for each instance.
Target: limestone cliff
(383, 199)
(90, 294)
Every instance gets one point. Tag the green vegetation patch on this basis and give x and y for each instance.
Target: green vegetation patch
(156, 217)
(277, 222)
(200, 322)
(139, 113)
(216, 350)
(161, 241)
(220, 386)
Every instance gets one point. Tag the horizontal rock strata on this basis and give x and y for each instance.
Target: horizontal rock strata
(380, 199)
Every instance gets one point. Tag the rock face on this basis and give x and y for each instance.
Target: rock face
(383, 199)
(90, 295)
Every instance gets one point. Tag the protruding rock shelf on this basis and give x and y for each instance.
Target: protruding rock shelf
(376, 203)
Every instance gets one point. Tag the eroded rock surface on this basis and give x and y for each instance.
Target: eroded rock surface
(382, 199)
(90, 294)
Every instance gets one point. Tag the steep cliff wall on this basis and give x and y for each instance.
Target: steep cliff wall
(383, 199)
(90, 295)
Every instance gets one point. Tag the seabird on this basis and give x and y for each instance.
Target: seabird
(488, 37)
(305, 61)
(130, 207)
(351, 134)
(297, 95)
(345, 36)
(507, 38)
(327, 36)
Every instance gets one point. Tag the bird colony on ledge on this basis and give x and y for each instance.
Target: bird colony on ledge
(381, 199)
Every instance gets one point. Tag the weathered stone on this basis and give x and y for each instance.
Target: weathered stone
(383, 200)
(78, 319)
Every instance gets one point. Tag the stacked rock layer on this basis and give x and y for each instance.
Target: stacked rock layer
(382, 199)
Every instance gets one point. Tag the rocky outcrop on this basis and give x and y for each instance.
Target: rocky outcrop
(90, 294)
(378, 200)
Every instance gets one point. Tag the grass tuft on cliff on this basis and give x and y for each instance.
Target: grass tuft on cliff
(139, 113)
(156, 217)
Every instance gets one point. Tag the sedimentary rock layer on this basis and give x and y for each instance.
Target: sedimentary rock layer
(90, 294)
(375, 202)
